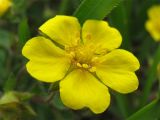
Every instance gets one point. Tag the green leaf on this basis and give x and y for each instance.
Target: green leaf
(149, 112)
(5, 38)
(95, 9)
(58, 103)
(23, 32)
(19, 6)
(122, 104)
(10, 83)
(151, 77)
(120, 18)
(29, 110)
(15, 97)
(8, 98)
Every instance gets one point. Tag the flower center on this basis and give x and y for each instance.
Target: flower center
(83, 56)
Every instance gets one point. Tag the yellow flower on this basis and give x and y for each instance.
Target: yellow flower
(153, 25)
(85, 60)
(4, 6)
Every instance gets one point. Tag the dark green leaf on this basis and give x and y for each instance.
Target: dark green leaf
(95, 9)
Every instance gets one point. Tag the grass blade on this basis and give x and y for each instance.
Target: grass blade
(149, 112)
(122, 103)
(151, 77)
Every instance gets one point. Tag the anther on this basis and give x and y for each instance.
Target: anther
(85, 66)
(79, 65)
(92, 69)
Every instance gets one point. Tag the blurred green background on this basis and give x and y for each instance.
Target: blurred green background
(24, 98)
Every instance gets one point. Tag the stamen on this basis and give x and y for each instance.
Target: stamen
(85, 66)
(79, 65)
(92, 69)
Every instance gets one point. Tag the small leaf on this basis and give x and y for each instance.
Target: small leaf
(23, 96)
(14, 106)
(23, 32)
(15, 97)
(8, 97)
(95, 9)
(58, 103)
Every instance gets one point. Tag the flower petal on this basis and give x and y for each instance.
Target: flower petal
(153, 29)
(64, 30)
(4, 6)
(116, 70)
(153, 12)
(101, 34)
(47, 63)
(81, 89)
